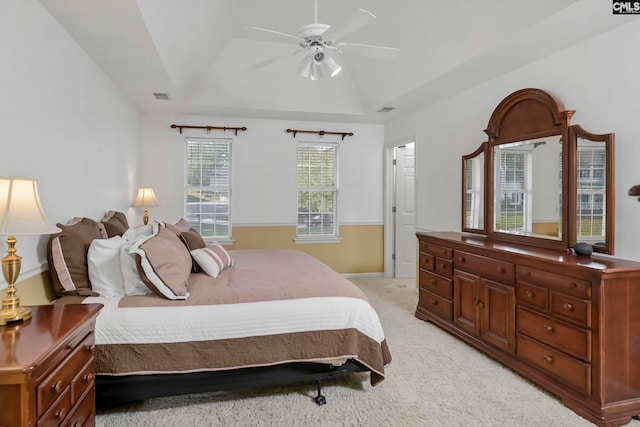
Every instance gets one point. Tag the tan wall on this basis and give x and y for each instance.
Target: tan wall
(36, 290)
(360, 251)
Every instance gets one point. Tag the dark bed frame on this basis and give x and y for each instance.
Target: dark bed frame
(111, 390)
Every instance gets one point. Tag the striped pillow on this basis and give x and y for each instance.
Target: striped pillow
(212, 259)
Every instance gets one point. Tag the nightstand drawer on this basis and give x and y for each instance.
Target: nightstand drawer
(52, 387)
(84, 411)
(58, 411)
(436, 284)
(555, 363)
(444, 267)
(569, 339)
(83, 380)
(439, 306)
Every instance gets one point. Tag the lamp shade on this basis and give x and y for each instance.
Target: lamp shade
(146, 198)
(21, 212)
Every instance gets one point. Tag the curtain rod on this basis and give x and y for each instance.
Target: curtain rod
(319, 132)
(224, 128)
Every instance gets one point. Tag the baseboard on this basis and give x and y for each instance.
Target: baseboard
(362, 275)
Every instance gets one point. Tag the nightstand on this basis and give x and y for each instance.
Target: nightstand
(47, 367)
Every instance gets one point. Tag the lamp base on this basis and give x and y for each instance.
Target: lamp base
(10, 314)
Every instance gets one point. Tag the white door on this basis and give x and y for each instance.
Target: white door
(405, 212)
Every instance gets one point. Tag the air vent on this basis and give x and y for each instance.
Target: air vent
(161, 95)
(386, 109)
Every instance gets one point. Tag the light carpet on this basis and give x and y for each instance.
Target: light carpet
(433, 380)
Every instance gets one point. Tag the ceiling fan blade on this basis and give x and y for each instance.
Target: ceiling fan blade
(371, 51)
(278, 33)
(351, 23)
(270, 61)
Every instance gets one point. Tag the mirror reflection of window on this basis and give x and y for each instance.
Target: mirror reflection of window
(591, 188)
(474, 192)
(513, 204)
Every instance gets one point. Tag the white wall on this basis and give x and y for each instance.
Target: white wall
(264, 167)
(598, 78)
(63, 122)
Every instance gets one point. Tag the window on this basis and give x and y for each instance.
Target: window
(513, 206)
(317, 191)
(208, 187)
(591, 195)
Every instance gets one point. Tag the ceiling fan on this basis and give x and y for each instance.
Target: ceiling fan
(317, 40)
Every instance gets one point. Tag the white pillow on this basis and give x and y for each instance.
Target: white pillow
(103, 262)
(212, 259)
(133, 285)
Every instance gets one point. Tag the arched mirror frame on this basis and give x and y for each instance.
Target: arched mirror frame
(530, 114)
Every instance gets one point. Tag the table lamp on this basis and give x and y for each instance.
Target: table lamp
(146, 198)
(20, 214)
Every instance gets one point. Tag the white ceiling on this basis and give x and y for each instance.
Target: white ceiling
(198, 51)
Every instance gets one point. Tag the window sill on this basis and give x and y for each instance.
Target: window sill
(308, 240)
(223, 242)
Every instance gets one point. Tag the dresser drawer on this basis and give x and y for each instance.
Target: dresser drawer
(555, 363)
(426, 262)
(436, 284)
(531, 295)
(571, 340)
(571, 308)
(437, 250)
(444, 267)
(59, 380)
(436, 304)
(490, 268)
(565, 284)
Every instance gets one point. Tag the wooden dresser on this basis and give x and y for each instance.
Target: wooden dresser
(47, 367)
(570, 324)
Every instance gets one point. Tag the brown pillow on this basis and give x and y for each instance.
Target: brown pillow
(178, 227)
(193, 240)
(67, 252)
(115, 223)
(164, 264)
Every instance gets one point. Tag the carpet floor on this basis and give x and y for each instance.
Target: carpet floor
(433, 380)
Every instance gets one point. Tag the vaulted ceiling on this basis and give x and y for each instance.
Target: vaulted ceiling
(199, 51)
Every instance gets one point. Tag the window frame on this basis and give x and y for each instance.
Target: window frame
(220, 238)
(334, 236)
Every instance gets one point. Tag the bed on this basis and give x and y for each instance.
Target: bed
(268, 317)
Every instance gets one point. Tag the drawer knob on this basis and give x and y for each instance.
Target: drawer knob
(479, 303)
(548, 328)
(88, 378)
(55, 387)
(90, 348)
(60, 413)
(548, 359)
(501, 270)
(69, 346)
(434, 302)
(567, 306)
(462, 259)
(573, 285)
(443, 265)
(433, 281)
(529, 294)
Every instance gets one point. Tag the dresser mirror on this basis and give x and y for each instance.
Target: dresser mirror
(538, 180)
(474, 194)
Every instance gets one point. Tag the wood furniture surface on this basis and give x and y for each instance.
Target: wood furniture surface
(569, 323)
(47, 367)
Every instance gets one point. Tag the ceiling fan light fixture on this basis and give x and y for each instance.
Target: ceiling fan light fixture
(304, 69)
(333, 66)
(316, 72)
